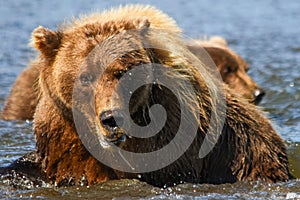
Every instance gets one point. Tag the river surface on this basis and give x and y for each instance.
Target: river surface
(264, 32)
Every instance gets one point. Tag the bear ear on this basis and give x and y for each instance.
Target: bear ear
(218, 40)
(142, 24)
(46, 41)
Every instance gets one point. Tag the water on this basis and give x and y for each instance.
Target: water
(265, 32)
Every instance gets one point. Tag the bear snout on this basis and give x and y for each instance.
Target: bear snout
(258, 95)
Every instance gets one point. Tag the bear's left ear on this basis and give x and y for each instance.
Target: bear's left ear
(142, 24)
(46, 41)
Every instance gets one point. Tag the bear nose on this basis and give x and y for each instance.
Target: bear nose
(111, 120)
(258, 95)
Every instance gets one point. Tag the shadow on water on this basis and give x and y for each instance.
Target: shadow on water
(266, 33)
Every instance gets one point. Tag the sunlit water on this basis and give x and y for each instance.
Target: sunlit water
(266, 33)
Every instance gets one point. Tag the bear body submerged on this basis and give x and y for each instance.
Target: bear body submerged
(111, 45)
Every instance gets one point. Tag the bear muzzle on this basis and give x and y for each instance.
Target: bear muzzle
(258, 95)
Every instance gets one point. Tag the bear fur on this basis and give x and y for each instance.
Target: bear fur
(248, 148)
(23, 98)
(232, 67)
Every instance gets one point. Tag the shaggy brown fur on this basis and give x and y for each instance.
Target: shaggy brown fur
(248, 148)
(231, 66)
(23, 98)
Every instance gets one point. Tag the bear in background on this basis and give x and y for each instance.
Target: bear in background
(24, 95)
(114, 44)
(231, 66)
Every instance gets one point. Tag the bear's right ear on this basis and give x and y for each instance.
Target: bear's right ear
(46, 41)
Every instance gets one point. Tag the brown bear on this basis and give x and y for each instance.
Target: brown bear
(23, 98)
(87, 69)
(231, 66)
(21, 103)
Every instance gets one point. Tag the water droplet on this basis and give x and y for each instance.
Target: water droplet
(291, 195)
(123, 138)
(130, 92)
(139, 176)
(130, 74)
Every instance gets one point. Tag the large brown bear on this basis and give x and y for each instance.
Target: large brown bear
(23, 98)
(231, 66)
(80, 113)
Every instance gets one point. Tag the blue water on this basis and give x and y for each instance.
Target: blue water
(264, 32)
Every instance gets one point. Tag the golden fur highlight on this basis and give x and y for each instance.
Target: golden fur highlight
(157, 18)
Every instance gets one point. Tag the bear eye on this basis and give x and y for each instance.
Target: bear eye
(86, 79)
(228, 70)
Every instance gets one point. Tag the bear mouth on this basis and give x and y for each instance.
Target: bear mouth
(114, 136)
